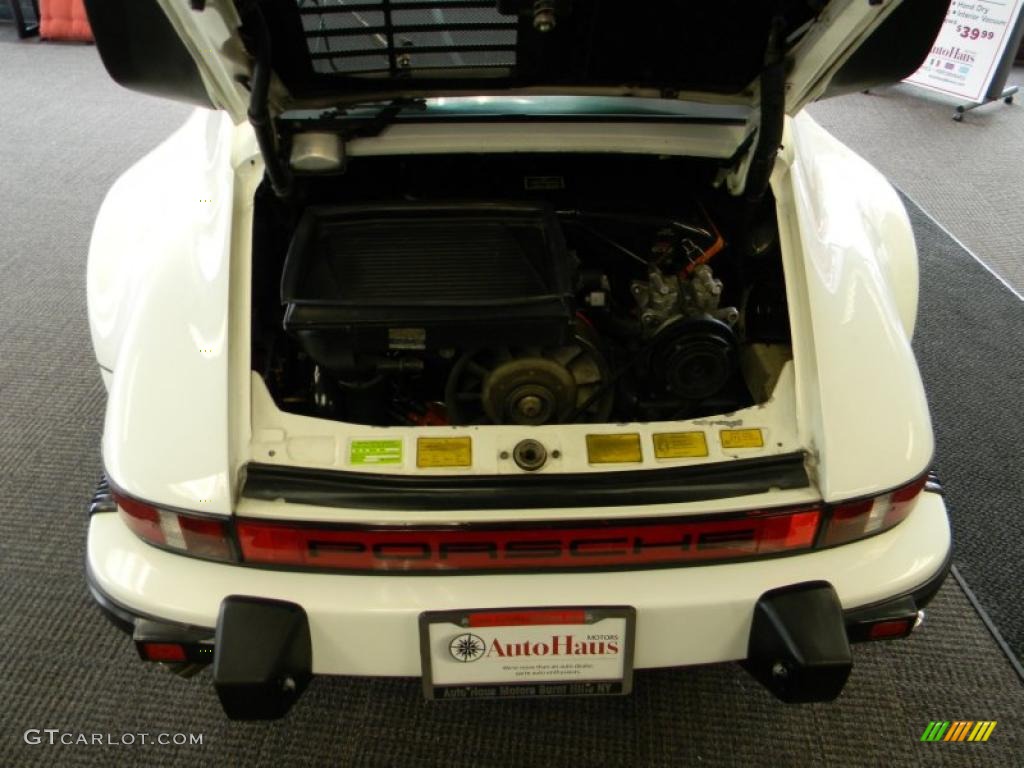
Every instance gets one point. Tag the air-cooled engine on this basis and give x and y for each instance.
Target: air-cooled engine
(541, 306)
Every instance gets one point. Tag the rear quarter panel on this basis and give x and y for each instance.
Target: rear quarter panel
(851, 266)
(157, 284)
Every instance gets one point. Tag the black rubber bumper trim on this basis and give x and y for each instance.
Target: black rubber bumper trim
(363, 490)
(263, 658)
(798, 648)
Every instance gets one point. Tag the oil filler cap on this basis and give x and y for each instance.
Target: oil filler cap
(529, 455)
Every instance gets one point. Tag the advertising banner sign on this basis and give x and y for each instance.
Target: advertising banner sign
(966, 55)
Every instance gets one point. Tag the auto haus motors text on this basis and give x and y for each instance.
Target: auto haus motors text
(557, 646)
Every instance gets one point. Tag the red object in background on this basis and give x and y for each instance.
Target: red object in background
(434, 415)
(64, 20)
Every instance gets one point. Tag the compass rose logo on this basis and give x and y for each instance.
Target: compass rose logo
(467, 647)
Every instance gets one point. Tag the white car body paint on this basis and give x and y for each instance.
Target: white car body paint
(169, 311)
(158, 308)
(159, 298)
(851, 265)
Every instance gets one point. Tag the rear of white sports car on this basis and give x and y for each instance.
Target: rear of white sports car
(448, 351)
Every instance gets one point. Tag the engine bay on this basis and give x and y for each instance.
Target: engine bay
(516, 289)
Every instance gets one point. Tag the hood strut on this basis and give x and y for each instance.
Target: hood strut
(773, 114)
(258, 42)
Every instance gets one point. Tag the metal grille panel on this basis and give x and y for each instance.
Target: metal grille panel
(404, 36)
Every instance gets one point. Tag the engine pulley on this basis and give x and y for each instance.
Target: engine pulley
(529, 390)
(529, 386)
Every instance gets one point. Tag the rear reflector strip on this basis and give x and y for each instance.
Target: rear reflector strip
(593, 544)
(508, 547)
(527, 618)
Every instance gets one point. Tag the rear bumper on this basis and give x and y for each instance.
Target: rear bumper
(368, 625)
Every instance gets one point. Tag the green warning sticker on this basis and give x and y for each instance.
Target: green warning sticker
(375, 452)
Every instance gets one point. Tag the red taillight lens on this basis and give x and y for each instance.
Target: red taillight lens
(857, 519)
(793, 531)
(200, 536)
(162, 651)
(142, 519)
(891, 629)
(902, 501)
(591, 544)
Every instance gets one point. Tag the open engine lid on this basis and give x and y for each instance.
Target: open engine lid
(333, 52)
(338, 53)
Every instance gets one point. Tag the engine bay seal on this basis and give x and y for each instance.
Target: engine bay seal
(364, 490)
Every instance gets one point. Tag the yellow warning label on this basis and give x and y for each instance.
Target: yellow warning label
(444, 452)
(680, 445)
(742, 438)
(614, 449)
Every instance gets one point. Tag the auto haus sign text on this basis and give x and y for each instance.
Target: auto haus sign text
(558, 645)
(965, 56)
(529, 660)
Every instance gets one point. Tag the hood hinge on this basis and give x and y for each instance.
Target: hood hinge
(750, 168)
(773, 114)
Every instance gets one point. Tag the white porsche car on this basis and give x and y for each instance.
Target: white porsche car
(510, 345)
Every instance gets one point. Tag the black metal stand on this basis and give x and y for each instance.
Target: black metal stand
(1006, 96)
(997, 88)
(25, 28)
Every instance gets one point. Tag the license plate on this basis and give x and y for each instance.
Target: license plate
(524, 652)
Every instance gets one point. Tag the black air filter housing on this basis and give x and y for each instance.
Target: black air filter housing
(426, 277)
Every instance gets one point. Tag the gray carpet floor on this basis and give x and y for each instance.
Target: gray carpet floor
(970, 348)
(969, 175)
(66, 132)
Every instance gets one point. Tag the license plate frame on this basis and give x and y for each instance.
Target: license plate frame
(589, 630)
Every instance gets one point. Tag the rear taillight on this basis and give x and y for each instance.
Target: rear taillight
(196, 535)
(588, 544)
(857, 519)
